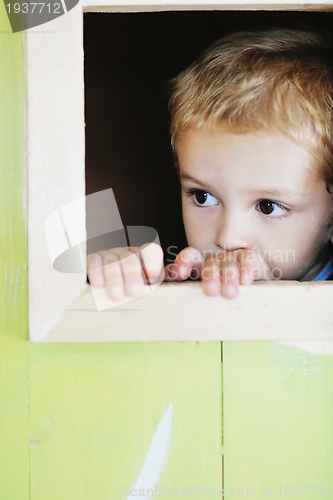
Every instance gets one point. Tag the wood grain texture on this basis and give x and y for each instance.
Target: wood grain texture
(55, 155)
(95, 410)
(163, 5)
(181, 312)
(278, 414)
(14, 472)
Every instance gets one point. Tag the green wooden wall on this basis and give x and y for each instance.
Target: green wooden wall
(14, 450)
(278, 420)
(95, 410)
(78, 421)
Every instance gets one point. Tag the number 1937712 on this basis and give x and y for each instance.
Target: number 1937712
(25, 8)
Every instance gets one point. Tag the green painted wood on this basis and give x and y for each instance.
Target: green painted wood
(278, 420)
(14, 472)
(95, 409)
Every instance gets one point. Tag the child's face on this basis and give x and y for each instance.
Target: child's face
(253, 191)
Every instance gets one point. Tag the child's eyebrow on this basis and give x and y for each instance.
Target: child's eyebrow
(276, 192)
(184, 175)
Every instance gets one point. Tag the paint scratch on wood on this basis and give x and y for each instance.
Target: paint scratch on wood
(321, 347)
(156, 455)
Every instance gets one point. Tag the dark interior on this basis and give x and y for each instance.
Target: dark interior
(129, 59)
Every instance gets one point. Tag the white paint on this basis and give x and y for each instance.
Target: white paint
(155, 457)
(314, 346)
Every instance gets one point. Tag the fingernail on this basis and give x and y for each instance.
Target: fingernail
(134, 289)
(116, 293)
(246, 278)
(98, 281)
(230, 291)
(210, 287)
(182, 272)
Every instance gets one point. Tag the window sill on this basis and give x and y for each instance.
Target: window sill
(180, 312)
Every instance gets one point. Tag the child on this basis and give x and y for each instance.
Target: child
(251, 132)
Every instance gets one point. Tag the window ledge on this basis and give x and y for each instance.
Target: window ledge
(164, 5)
(286, 310)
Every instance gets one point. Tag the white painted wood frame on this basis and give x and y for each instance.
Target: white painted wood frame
(61, 306)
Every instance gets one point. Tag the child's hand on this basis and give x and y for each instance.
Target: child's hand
(222, 273)
(122, 269)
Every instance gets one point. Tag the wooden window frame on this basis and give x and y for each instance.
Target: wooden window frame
(61, 306)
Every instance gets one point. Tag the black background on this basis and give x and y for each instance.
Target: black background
(129, 59)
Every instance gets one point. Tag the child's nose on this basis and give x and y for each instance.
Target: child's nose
(233, 232)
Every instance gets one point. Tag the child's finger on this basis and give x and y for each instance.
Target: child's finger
(95, 269)
(113, 276)
(229, 278)
(211, 276)
(152, 261)
(252, 267)
(187, 260)
(132, 272)
(220, 275)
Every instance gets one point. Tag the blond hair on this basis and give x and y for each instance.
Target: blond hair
(278, 81)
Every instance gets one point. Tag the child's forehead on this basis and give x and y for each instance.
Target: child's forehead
(259, 160)
(243, 147)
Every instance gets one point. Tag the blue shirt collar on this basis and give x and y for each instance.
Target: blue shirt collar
(326, 272)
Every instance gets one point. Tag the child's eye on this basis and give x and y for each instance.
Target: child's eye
(202, 198)
(268, 207)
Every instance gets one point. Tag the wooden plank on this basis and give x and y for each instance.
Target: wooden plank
(278, 414)
(96, 409)
(14, 456)
(181, 312)
(55, 155)
(164, 5)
